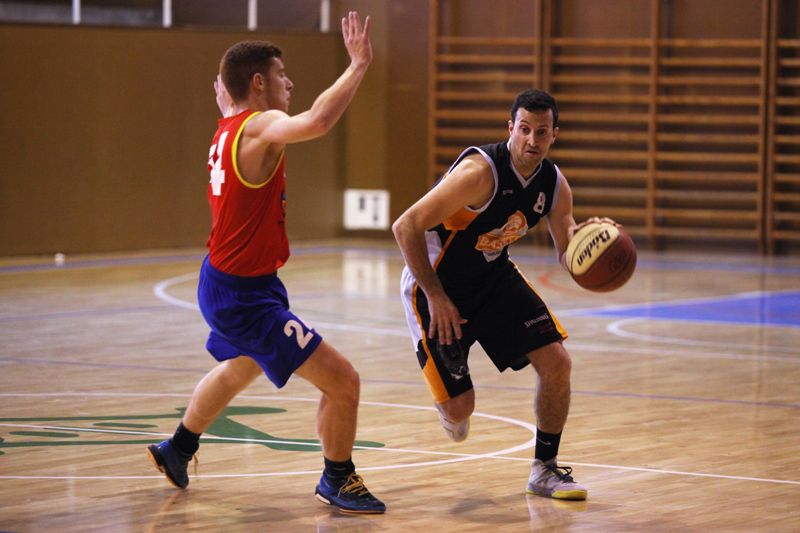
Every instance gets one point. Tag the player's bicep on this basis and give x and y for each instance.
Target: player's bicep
(469, 183)
(277, 127)
(560, 220)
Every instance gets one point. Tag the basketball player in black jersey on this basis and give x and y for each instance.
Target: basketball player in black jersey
(459, 285)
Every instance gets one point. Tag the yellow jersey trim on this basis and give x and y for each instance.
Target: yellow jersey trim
(235, 157)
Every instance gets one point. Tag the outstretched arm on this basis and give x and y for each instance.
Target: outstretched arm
(280, 128)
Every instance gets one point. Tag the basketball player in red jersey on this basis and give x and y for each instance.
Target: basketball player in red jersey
(252, 329)
(460, 286)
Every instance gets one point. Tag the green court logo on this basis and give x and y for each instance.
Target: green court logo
(82, 431)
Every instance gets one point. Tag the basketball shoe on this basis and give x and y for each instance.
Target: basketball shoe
(457, 431)
(349, 495)
(549, 479)
(171, 462)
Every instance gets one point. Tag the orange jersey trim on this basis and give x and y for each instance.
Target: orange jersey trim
(460, 219)
(559, 327)
(429, 371)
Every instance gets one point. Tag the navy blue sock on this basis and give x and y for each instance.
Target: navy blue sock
(185, 441)
(546, 445)
(338, 470)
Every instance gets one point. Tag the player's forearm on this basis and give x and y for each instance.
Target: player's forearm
(411, 241)
(331, 104)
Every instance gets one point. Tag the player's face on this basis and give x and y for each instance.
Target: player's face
(279, 86)
(530, 136)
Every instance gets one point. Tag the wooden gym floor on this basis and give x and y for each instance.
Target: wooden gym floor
(685, 409)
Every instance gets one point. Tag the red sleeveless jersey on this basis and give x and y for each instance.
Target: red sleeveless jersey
(248, 222)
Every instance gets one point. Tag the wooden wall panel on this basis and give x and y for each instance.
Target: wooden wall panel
(475, 76)
(479, 62)
(105, 135)
(710, 131)
(783, 185)
(672, 121)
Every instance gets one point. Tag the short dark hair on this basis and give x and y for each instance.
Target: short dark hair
(535, 100)
(242, 61)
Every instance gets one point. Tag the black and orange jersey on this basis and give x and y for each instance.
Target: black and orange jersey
(468, 247)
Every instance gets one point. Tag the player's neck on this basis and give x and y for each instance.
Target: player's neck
(524, 171)
(253, 103)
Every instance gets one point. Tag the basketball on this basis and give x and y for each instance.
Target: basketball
(601, 257)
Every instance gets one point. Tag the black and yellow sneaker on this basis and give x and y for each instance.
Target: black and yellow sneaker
(171, 462)
(349, 496)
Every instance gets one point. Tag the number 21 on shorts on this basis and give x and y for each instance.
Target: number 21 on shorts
(294, 327)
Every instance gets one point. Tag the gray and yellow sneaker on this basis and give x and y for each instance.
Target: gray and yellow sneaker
(553, 481)
(457, 431)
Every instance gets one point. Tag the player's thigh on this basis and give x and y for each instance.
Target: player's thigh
(329, 370)
(516, 322)
(552, 359)
(241, 370)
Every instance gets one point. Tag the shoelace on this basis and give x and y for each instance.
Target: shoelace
(196, 460)
(563, 476)
(354, 485)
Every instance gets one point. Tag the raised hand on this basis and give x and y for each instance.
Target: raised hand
(356, 39)
(224, 100)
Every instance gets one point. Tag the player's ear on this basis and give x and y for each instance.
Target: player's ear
(258, 82)
(555, 134)
(510, 127)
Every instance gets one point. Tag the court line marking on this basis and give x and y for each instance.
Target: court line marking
(606, 394)
(528, 389)
(162, 286)
(616, 328)
(160, 291)
(739, 263)
(457, 457)
(680, 301)
(665, 352)
(469, 456)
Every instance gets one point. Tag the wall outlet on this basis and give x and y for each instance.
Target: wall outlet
(366, 209)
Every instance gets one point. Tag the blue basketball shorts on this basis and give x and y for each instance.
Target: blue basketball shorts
(250, 316)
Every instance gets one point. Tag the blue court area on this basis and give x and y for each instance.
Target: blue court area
(754, 309)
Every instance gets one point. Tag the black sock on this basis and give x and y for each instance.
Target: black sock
(185, 441)
(338, 470)
(546, 445)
